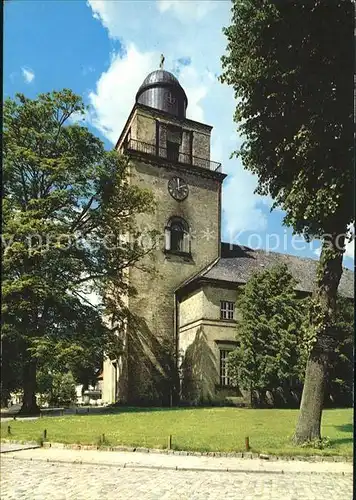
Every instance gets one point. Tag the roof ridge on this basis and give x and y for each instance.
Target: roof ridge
(292, 255)
(262, 250)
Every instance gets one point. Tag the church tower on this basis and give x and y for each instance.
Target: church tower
(170, 156)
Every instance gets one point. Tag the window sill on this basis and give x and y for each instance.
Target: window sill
(220, 387)
(180, 254)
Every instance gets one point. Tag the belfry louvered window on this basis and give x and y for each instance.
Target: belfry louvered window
(174, 140)
(177, 238)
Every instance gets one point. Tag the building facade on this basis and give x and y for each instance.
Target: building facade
(182, 321)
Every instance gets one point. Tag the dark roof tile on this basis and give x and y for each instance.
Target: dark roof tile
(238, 263)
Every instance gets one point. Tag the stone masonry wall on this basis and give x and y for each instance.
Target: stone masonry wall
(185, 148)
(151, 342)
(201, 146)
(153, 339)
(145, 128)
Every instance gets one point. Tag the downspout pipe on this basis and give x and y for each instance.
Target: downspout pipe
(176, 396)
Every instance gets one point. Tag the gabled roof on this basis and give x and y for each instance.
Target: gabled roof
(238, 263)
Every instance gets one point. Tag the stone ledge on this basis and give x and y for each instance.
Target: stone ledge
(247, 455)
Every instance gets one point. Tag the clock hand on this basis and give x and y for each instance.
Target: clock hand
(178, 187)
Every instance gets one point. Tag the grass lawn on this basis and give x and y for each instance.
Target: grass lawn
(198, 429)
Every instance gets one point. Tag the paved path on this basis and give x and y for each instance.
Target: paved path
(56, 475)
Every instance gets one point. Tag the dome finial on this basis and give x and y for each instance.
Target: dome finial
(162, 62)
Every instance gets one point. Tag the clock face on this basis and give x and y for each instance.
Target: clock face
(178, 188)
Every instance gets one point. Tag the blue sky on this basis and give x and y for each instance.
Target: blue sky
(102, 50)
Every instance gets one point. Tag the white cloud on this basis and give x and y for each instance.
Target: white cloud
(124, 19)
(116, 88)
(28, 74)
(350, 250)
(102, 12)
(349, 247)
(196, 89)
(77, 117)
(241, 213)
(317, 251)
(187, 11)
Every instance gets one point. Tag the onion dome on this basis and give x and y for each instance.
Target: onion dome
(161, 90)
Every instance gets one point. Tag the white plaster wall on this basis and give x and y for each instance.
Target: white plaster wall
(108, 395)
(200, 317)
(212, 298)
(191, 308)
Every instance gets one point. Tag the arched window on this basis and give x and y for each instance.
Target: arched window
(177, 236)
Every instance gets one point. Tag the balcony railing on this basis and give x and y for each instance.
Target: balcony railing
(175, 156)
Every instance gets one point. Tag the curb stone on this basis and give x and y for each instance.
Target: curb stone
(175, 468)
(247, 455)
(21, 448)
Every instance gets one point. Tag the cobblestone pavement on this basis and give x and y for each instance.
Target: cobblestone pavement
(24, 479)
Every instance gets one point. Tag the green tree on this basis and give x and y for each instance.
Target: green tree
(77, 344)
(63, 391)
(11, 365)
(290, 65)
(68, 231)
(56, 388)
(269, 333)
(44, 382)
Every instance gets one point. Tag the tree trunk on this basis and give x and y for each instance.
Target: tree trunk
(309, 421)
(29, 404)
(5, 397)
(321, 322)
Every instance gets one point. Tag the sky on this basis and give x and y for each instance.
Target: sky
(103, 50)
